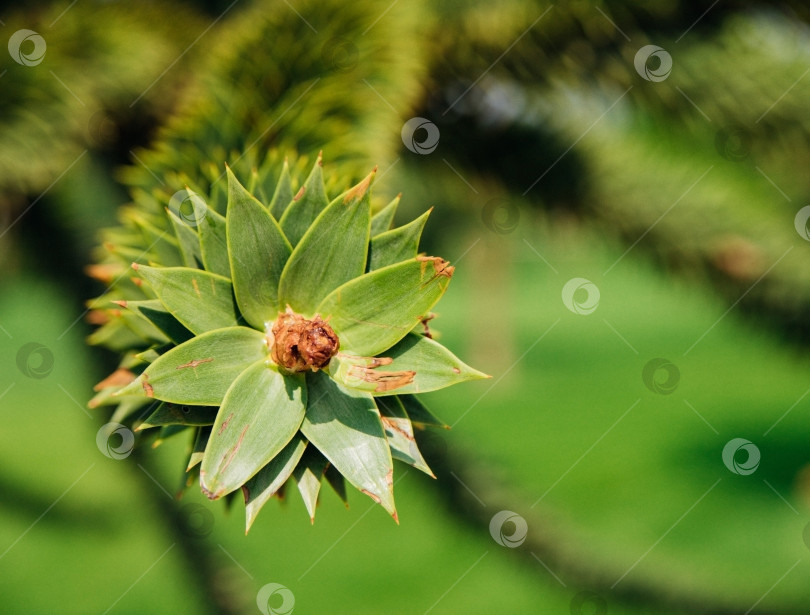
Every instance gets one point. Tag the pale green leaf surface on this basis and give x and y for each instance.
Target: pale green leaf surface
(310, 201)
(345, 426)
(214, 242)
(201, 301)
(258, 252)
(434, 366)
(332, 252)
(179, 414)
(399, 432)
(188, 241)
(383, 219)
(260, 414)
(373, 312)
(419, 414)
(283, 194)
(267, 481)
(201, 370)
(398, 244)
(308, 475)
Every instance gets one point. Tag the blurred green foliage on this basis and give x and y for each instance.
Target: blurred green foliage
(556, 160)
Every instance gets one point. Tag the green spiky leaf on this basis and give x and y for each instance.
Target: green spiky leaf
(308, 475)
(304, 208)
(283, 194)
(201, 370)
(201, 301)
(321, 262)
(179, 414)
(345, 426)
(383, 220)
(214, 242)
(260, 414)
(419, 414)
(373, 312)
(257, 251)
(398, 244)
(267, 481)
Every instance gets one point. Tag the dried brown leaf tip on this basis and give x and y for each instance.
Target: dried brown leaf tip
(119, 378)
(440, 266)
(302, 345)
(357, 193)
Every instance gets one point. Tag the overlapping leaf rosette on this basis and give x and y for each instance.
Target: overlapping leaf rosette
(290, 337)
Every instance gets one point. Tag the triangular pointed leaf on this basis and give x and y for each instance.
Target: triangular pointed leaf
(283, 195)
(399, 431)
(384, 219)
(130, 406)
(267, 481)
(373, 312)
(434, 366)
(214, 242)
(198, 450)
(260, 414)
(398, 244)
(201, 301)
(201, 370)
(179, 414)
(187, 239)
(163, 246)
(331, 252)
(310, 201)
(337, 482)
(419, 414)
(345, 426)
(158, 315)
(308, 475)
(166, 432)
(258, 252)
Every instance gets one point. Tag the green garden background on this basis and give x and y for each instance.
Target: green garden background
(554, 144)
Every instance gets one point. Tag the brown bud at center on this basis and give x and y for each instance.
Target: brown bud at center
(299, 344)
